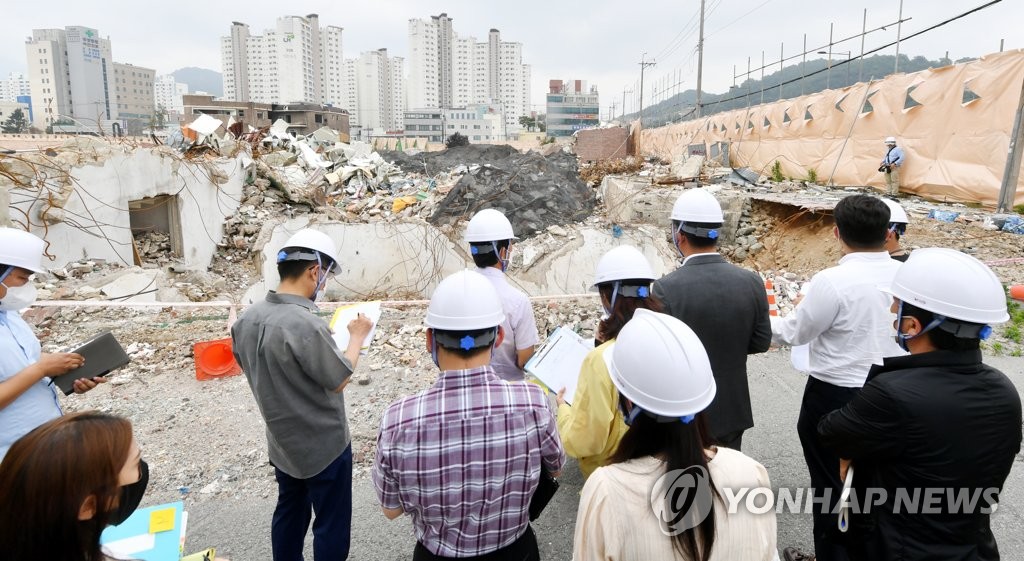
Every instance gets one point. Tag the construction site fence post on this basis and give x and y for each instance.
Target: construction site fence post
(1008, 189)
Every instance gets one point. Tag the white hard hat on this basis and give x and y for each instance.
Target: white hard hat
(896, 213)
(624, 262)
(489, 225)
(949, 283)
(660, 365)
(890, 140)
(697, 205)
(21, 249)
(464, 301)
(308, 238)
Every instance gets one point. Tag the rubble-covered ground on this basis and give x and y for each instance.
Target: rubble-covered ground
(205, 440)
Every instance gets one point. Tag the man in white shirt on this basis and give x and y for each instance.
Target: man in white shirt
(489, 235)
(846, 322)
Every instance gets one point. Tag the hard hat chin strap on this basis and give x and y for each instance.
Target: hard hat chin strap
(321, 277)
(630, 416)
(902, 338)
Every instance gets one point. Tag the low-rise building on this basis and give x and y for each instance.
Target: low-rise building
(571, 107)
(479, 122)
(302, 118)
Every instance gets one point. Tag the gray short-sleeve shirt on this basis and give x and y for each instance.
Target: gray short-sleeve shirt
(293, 366)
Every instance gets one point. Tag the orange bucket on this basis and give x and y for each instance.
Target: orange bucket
(214, 359)
(1017, 292)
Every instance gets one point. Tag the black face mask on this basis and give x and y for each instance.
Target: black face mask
(131, 496)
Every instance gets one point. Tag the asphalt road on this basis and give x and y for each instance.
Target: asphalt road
(240, 529)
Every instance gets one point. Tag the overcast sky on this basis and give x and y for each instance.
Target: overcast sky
(599, 41)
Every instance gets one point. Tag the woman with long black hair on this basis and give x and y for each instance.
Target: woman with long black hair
(662, 494)
(591, 428)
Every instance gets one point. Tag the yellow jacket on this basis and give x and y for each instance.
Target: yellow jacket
(592, 427)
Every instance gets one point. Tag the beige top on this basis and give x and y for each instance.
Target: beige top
(615, 521)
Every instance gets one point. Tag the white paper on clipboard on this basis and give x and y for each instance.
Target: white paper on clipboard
(557, 364)
(800, 356)
(345, 314)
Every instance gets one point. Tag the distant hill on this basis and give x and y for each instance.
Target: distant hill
(680, 107)
(200, 79)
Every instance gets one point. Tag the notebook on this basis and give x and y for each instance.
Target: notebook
(102, 355)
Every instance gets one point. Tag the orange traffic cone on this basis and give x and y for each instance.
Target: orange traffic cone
(1017, 292)
(773, 308)
(214, 359)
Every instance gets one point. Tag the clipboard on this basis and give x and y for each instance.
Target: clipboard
(102, 353)
(149, 534)
(557, 363)
(345, 314)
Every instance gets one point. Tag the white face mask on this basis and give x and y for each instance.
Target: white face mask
(19, 297)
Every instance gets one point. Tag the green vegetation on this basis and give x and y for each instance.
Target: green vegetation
(1019, 209)
(812, 176)
(777, 172)
(456, 139)
(997, 348)
(16, 123)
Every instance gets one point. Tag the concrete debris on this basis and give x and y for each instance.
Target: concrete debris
(533, 191)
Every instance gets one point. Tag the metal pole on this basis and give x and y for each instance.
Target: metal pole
(867, 91)
(1001, 41)
(863, 33)
(748, 82)
(828, 74)
(762, 77)
(803, 64)
(700, 56)
(782, 56)
(899, 29)
(1008, 189)
(643, 66)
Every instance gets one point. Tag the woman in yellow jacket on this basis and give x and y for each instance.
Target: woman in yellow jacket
(593, 425)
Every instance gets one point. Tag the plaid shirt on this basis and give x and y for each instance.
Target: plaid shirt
(463, 458)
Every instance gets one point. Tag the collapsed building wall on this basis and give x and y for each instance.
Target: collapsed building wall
(391, 260)
(953, 123)
(88, 197)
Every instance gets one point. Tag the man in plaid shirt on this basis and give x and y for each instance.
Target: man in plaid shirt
(464, 457)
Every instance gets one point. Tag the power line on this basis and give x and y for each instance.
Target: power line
(875, 50)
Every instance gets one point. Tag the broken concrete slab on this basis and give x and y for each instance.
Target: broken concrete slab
(133, 287)
(687, 167)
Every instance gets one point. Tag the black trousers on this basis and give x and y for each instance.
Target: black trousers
(820, 399)
(523, 549)
(732, 440)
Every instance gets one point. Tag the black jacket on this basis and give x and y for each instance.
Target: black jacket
(727, 308)
(938, 420)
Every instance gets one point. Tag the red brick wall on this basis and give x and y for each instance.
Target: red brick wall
(601, 144)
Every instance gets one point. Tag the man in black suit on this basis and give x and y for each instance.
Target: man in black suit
(725, 305)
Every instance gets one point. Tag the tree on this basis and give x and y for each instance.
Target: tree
(456, 139)
(528, 122)
(16, 123)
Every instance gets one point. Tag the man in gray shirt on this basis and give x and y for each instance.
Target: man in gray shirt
(297, 373)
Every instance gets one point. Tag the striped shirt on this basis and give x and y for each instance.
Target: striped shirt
(464, 457)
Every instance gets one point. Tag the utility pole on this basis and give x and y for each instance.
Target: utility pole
(899, 28)
(624, 92)
(614, 105)
(643, 66)
(700, 56)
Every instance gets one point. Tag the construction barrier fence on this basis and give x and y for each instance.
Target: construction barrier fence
(953, 123)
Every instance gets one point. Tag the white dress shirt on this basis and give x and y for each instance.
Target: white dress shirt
(844, 319)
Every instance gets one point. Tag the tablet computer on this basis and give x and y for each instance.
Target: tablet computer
(102, 353)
